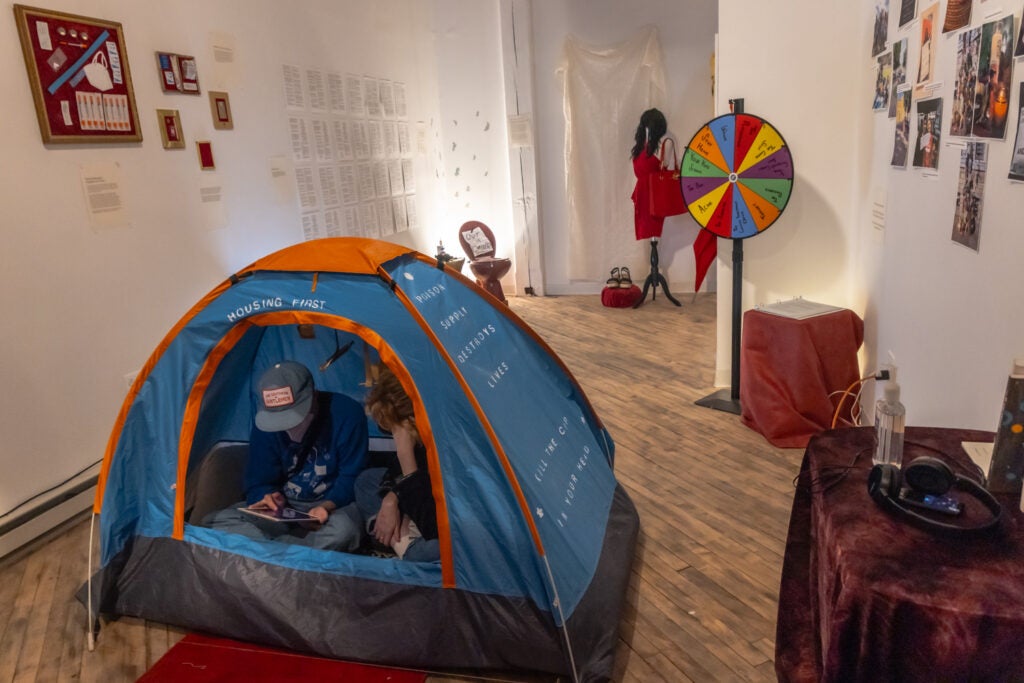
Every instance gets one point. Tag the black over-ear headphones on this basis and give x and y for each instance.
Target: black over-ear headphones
(929, 475)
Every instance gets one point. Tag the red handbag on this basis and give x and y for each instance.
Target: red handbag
(666, 192)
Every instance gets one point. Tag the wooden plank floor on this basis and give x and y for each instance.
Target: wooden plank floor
(713, 497)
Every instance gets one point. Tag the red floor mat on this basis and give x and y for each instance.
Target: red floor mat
(198, 659)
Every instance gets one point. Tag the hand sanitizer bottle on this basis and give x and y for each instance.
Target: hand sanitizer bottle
(890, 420)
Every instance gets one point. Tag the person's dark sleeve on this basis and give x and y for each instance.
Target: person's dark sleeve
(263, 471)
(416, 500)
(350, 442)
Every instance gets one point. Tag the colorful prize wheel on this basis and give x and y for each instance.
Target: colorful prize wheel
(736, 175)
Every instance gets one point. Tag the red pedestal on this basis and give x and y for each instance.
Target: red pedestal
(789, 368)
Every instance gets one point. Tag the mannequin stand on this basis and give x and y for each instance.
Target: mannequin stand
(654, 279)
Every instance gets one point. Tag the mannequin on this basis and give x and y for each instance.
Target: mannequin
(649, 132)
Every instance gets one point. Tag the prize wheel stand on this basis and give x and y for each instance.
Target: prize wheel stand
(736, 176)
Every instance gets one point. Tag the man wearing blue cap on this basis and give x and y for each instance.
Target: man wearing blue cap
(305, 452)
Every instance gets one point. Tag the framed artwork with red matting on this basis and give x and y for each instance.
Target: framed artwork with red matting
(79, 76)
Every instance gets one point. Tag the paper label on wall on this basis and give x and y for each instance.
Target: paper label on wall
(520, 131)
(211, 202)
(281, 179)
(101, 183)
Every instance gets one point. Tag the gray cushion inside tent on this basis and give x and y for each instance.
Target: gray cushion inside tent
(217, 482)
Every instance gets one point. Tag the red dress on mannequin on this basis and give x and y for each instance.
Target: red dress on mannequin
(646, 225)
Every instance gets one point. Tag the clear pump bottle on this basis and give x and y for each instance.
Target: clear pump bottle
(890, 420)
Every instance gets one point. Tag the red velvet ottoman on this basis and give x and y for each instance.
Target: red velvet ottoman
(620, 297)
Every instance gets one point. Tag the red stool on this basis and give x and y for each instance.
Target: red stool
(477, 241)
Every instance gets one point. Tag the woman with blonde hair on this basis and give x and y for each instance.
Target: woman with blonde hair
(396, 500)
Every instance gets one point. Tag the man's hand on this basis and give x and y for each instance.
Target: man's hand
(272, 501)
(321, 513)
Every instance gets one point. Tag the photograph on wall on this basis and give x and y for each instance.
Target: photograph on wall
(881, 28)
(79, 77)
(968, 46)
(958, 15)
(929, 136)
(1019, 50)
(1017, 160)
(908, 9)
(883, 82)
(902, 137)
(926, 53)
(969, 190)
(995, 69)
(899, 72)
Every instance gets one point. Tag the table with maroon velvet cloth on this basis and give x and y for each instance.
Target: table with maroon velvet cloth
(867, 597)
(789, 367)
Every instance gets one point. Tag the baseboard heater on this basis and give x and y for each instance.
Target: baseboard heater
(30, 521)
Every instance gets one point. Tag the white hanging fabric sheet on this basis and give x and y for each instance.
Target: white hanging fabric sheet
(605, 90)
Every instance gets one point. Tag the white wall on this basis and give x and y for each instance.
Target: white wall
(946, 312)
(686, 31)
(83, 309)
(472, 120)
(795, 65)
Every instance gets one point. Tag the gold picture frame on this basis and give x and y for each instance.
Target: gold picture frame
(220, 110)
(79, 76)
(170, 128)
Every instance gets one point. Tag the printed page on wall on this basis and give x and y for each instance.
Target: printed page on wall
(351, 151)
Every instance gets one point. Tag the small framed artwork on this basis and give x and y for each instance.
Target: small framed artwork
(79, 77)
(205, 150)
(170, 128)
(178, 73)
(220, 109)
